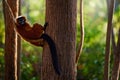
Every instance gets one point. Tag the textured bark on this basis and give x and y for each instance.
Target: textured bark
(108, 39)
(10, 41)
(18, 56)
(116, 65)
(61, 16)
(18, 48)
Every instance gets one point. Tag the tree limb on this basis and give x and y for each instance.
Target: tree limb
(116, 65)
(82, 32)
(108, 37)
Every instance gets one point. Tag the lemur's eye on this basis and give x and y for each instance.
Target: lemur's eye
(21, 21)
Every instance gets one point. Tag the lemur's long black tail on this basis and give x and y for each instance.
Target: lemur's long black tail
(53, 53)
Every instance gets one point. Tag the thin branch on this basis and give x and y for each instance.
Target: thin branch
(116, 65)
(19, 47)
(113, 41)
(118, 50)
(118, 43)
(82, 32)
(10, 40)
(9, 10)
(108, 37)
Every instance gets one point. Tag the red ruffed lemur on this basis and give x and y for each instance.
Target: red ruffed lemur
(35, 35)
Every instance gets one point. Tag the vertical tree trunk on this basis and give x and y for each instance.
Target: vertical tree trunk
(10, 41)
(61, 16)
(116, 65)
(18, 56)
(108, 39)
(18, 47)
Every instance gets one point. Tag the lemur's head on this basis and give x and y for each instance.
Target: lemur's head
(21, 20)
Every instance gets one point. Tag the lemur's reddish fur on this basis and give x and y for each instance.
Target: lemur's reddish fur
(35, 35)
(30, 34)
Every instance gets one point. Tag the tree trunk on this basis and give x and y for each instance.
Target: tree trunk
(108, 40)
(116, 65)
(18, 56)
(61, 17)
(10, 41)
(18, 48)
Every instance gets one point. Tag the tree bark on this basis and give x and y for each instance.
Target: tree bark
(19, 48)
(18, 56)
(10, 41)
(61, 17)
(116, 65)
(108, 39)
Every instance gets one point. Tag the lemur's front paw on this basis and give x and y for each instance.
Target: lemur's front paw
(46, 24)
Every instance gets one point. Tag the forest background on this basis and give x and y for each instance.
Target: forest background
(91, 61)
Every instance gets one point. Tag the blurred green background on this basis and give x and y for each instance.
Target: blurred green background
(91, 61)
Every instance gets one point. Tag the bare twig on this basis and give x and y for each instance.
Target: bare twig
(82, 32)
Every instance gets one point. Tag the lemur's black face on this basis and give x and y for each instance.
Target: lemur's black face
(21, 20)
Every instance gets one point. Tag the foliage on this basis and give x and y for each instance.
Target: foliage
(92, 58)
